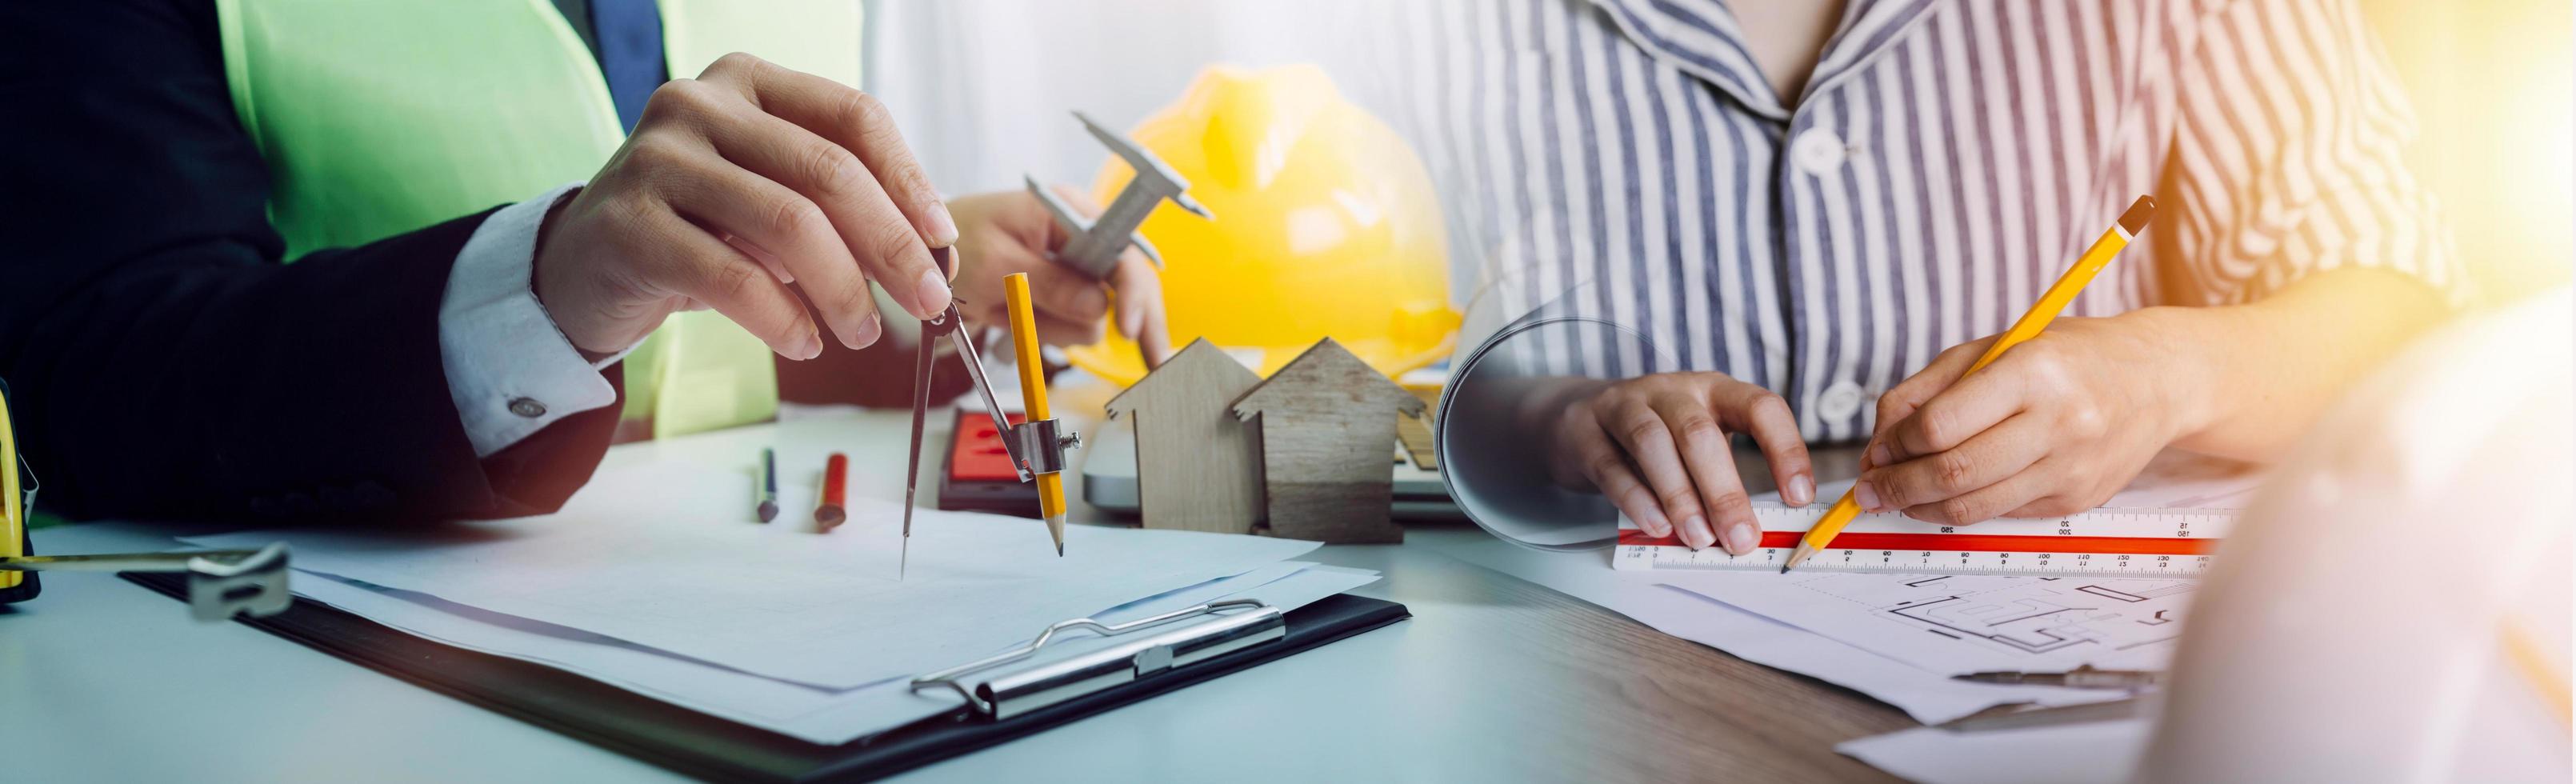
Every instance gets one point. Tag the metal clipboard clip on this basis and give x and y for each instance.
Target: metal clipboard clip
(1016, 692)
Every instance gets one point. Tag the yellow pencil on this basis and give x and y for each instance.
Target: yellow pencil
(1033, 396)
(2058, 296)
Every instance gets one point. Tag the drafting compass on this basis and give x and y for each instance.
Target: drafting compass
(1036, 448)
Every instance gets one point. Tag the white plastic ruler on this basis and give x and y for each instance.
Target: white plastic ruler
(2117, 542)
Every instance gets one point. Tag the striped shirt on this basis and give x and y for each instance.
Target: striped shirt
(1946, 160)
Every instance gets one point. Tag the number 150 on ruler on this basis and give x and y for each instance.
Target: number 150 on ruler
(2120, 542)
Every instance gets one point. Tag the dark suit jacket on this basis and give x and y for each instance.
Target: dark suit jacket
(168, 365)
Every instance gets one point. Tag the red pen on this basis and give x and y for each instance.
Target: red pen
(830, 514)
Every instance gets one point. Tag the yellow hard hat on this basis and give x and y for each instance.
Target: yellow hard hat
(1325, 226)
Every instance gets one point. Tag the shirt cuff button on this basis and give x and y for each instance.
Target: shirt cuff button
(527, 407)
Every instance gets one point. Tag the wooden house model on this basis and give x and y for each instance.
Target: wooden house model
(1326, 426)
(1197, 467)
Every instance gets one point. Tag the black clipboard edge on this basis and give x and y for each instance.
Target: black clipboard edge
(707, 747)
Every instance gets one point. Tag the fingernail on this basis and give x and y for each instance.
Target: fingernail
(868, 332)
(943, 229)
(1867, 496)
(809, 346)
(1742, 538)
(1696, 534)
(1802, 490)
(1878, 455)
(931, 294)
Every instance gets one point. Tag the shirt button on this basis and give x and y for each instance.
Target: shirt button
(527, 407)
(1818, 151)
(1840, 401)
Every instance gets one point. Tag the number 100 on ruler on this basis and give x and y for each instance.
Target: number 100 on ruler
(2120, 542)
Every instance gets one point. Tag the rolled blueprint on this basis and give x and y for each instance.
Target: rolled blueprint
(1527, 348)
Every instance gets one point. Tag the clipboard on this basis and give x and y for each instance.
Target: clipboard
(704, 746)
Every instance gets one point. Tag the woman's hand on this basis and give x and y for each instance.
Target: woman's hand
(1011, 231)
(2053, 427)
(1657, 447)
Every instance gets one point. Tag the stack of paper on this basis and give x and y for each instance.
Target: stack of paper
(1898, 638)
(653, 579)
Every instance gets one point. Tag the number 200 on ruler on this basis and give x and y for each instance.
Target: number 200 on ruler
(2119, 542)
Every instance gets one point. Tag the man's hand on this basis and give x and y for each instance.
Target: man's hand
(734, 186)
(2053, 427)
(1011, 231)
(1657, 447)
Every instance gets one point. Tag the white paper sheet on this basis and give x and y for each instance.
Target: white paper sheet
(1897, 637)
(658, 555)
(2105, 752)
(1661, 600)
(817, 715)
(1959, 624)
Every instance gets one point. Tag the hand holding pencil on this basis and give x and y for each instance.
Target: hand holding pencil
(2049, 427)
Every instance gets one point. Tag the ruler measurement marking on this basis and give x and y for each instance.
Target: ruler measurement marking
(2137, 543)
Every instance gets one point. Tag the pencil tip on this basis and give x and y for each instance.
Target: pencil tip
(1797, 556)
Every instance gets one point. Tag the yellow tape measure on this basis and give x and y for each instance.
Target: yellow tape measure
(13, 507)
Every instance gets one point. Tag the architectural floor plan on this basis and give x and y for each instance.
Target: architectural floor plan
(1955, 624)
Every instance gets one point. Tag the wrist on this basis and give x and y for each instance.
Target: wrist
(2188, 361)
(537, 268)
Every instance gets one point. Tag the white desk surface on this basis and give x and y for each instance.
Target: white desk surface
(1494, 679)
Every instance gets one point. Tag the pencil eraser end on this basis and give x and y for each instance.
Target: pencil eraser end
(2135, 220)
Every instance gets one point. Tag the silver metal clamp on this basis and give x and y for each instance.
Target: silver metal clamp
(1016, 692)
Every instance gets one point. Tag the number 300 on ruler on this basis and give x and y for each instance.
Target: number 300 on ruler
(2124, 542)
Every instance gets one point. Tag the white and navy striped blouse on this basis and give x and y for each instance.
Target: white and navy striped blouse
(1947, 159)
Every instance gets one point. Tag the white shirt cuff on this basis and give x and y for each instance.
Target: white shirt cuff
(509, 370)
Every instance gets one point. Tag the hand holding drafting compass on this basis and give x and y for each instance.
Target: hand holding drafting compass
(1036, 447)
